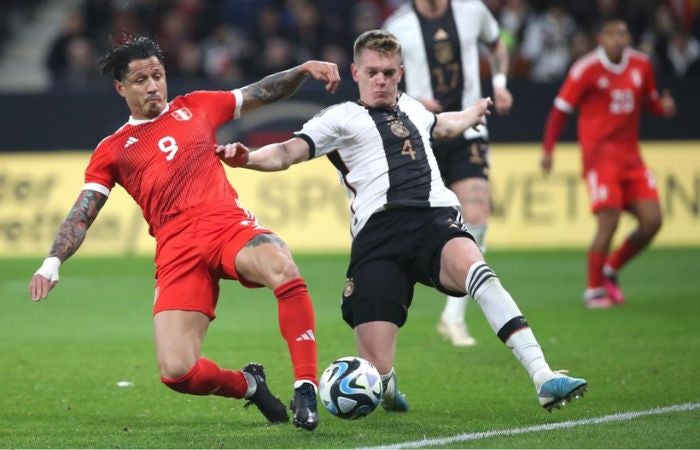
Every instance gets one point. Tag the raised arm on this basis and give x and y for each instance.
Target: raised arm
(70, 236)
(281, 85)
(270, 158)
(499, 61)
(452, 123)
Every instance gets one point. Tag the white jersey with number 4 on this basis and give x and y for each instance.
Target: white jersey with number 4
(383, 156)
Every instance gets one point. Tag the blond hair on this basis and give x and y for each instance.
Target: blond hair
(378, 40)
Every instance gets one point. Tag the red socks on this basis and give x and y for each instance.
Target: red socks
(595, 269)
(206, 378)
(627, 251)
(296, 320)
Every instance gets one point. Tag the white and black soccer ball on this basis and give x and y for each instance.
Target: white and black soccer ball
(350, 387)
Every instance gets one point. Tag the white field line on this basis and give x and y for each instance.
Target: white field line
(620, 417)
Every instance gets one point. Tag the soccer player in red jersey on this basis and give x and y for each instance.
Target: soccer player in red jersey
(610, 86)
(164, 158)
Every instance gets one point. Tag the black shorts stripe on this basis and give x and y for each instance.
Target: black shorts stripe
(510, 327)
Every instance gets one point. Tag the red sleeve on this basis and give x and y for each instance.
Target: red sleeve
(572, 90)
(651, 95)
(100, 168)
(219, 106)
(553, 128)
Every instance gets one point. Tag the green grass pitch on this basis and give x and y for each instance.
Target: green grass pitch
(61, 360)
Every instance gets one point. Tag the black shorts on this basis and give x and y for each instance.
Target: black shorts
(396, 249)
(461, 158)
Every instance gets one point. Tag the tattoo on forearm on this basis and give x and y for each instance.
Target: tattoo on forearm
(273, 87)
(72, 231)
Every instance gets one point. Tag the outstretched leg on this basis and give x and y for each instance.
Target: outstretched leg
(463, 268)
(178, 336)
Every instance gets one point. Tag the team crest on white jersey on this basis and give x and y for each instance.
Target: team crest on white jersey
(399, 129)
(636, 78)
(603, 83)
(182, 114)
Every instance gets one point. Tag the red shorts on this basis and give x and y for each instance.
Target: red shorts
(617, 187)
(194, 251)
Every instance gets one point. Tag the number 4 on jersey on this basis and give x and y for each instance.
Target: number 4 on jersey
(408, 149)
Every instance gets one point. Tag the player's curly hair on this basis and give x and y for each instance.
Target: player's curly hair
(116, 61)
(378, 40)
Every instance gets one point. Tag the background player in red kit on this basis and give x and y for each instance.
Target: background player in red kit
(610, 86)
(164, 158)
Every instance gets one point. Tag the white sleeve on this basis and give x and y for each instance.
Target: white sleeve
(427, 119)
(322, 132)
(490, 30)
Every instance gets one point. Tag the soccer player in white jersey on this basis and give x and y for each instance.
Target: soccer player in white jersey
(440, 48)
(406, 224)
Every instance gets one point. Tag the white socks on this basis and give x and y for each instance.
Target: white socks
(496, 303)
(455, 308)
(479, 234)
(526, 350)
(506, 320)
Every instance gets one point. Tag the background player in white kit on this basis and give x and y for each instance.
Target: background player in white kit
(406, 224)
(442, 72)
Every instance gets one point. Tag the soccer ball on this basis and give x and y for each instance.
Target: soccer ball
(350, 387)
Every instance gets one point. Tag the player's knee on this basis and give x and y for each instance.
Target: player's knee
(281, 271)
(650, 227)
(174, 370)
(457, 257)
(655, 225)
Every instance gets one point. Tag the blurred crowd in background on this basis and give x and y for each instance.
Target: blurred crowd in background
(235, 41)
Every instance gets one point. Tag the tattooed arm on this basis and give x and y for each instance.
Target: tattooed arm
(281, 85)
(70, 236)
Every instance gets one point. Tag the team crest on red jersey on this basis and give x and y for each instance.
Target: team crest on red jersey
(182, 114)
(636, 77)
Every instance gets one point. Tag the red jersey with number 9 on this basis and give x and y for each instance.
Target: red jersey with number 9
(168, 164)
(610, 98)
